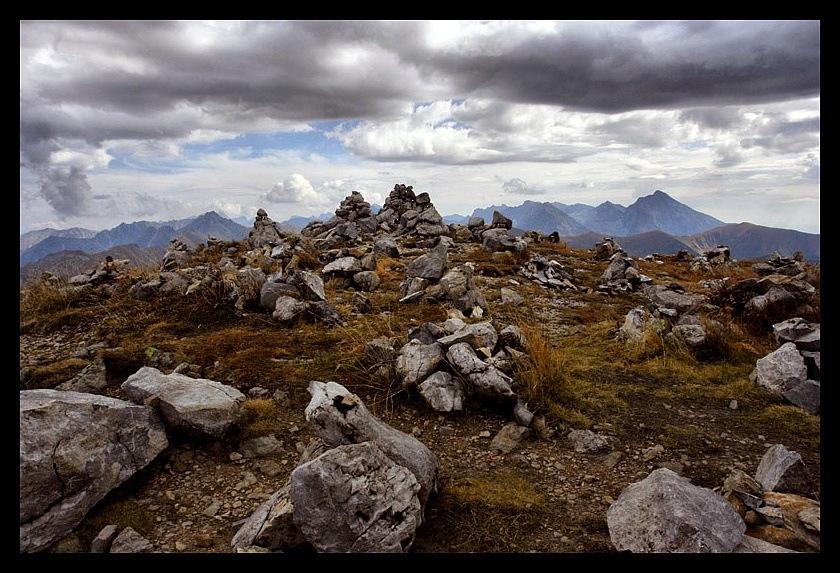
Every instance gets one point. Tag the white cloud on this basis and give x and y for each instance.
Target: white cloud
(294, 189)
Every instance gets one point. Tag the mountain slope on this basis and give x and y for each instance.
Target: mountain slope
(141, 233)
(66, 264)
(607, 218)
(27, 240)
(533, 216)
(745, 241)
(660, 212)
(748, 241)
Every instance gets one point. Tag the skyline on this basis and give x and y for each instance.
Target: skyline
(162, 120)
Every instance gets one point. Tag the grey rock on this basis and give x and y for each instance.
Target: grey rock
(75, 448)
(806, 335)
(416, 361)
(780, 371)
(587, 441)
(91, 379)
(430, 266)
(309, 285)
(102, 542)
(443, 392)
(129, 541)
(287, 309)
(194, 406)
(509, 437)
(806, 396)
(340, 417)
(665, 513)
(784, 471)
(261, 446)
(356, 499)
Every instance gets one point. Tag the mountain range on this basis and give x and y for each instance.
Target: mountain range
(656, 223)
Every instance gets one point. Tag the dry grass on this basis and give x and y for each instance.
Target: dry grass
(53, 374)
(488, 513)
(259, 418)
(563, 382)
(783, 422)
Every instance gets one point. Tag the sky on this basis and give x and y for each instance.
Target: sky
(133, 120)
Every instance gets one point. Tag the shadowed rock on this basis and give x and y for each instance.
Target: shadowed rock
(665, 513)
(198, 407)
(339, 417)
(75, 448)
(355, 499)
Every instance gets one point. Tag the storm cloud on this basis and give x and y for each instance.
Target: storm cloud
(170, 99)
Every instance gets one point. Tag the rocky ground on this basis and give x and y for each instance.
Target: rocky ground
(192, 497)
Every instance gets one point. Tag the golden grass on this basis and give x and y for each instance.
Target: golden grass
(259, 418)
(52, 374)
(489, 513)
(564, 382)
(784, 421)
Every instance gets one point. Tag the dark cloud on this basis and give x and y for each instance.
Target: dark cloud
(87, 82)
(616, 69)
(728, 156)
(715, 118)
(66, 190)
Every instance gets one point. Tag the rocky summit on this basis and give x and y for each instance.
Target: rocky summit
(385, 382)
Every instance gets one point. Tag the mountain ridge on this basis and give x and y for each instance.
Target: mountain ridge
(636, 228)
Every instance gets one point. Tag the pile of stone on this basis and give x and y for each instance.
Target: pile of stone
(605, 250)
(104, 274)
(297, 294)
(547, 272)
(177, 256)
(672, 313)
(776, 264)
(264, 232)
(767, 300)
(778, 504)
(353, 219)
(349, 270)
(377, 478)
(428, 279)
(496, 236)
(407, 213)
(450, 364)
(622, 274)
(717, 257)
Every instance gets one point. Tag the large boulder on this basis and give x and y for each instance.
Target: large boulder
(75, 448)
(340, 417)
(194, 406)
(780, 371)
(355, 499)
(665, 513)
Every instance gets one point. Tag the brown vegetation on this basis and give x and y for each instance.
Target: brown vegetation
(575, 375)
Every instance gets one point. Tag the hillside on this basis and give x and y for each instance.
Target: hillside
(533, 216)
(658, 403)
(748, 241)
(66, 264)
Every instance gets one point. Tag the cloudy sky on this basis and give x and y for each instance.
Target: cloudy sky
(158, 120)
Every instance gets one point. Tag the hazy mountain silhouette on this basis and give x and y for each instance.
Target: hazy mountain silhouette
(655, 212)
(141, 233)
(653, 224)
(533, 216)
